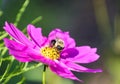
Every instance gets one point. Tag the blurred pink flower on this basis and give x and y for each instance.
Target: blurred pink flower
(58, 50)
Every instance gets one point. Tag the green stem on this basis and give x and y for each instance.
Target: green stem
(3, 36)
(18, 17)
(1, 13)
(21, 81)
(43, 79)
(21, 11)
(20, 72)
(36, 20)
(7, 69)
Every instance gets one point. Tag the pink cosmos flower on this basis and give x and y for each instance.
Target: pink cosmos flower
(58, 50)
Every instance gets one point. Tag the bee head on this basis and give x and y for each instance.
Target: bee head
(52, 43)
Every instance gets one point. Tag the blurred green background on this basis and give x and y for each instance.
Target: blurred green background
(91, 22)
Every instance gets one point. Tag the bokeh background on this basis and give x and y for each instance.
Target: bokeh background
(91, 22)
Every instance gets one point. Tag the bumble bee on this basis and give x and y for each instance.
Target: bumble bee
(58, 44)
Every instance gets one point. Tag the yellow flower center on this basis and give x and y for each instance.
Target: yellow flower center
(50, 52)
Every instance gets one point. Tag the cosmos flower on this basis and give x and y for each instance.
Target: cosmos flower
(58, 51)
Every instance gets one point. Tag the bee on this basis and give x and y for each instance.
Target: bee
(57, 43)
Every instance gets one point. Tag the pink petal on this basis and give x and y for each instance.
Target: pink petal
(79, 68)
(24, 53)
(63, 71)
(69, 53)
(39, 58)
(16, 34)
(36, 35)
(57, 33)
(18, 50)
(86, 55)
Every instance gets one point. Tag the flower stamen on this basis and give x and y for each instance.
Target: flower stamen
(50, 52)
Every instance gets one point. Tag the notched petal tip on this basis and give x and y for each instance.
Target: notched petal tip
(6, 25)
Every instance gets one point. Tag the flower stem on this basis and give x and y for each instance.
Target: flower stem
(21, 11)
(43, 76)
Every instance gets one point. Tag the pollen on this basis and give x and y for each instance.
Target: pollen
(50, 52)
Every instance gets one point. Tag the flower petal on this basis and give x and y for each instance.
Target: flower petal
(18, 50)
(16, 34)
(63, 71)
(24, 53)
(69, 53)
(36, 35)
(39, 58)
(79, 68)
(57, 33)
(86, 55)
